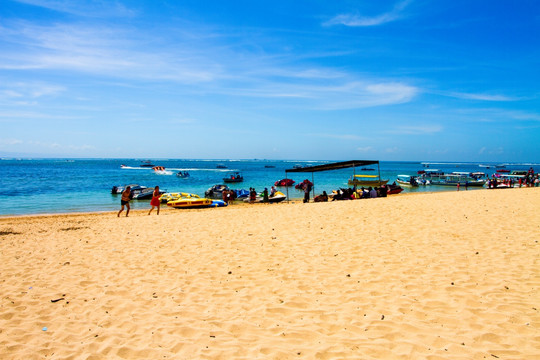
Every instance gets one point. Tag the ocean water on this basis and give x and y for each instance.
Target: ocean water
(45, 186)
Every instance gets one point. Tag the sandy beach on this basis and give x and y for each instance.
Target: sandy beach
(453, 275)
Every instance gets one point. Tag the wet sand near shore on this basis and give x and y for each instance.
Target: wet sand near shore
(450, 275)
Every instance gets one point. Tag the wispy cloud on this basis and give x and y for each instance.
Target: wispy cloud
(338, 136)
(10, 142)
(416, 130)
(108, 50)
(365, 149)
(337, 95)
(85, 8)
(355, 20)
(26, 90)
(482, 97)
(492, 151)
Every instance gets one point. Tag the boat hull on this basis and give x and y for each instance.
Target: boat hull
(406, 183)
(356, 182)
(189, 203)
(455, 183)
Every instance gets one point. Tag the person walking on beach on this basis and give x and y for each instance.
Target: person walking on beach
(265, 195)
(155, 202)
(307, 189)
(126, 198)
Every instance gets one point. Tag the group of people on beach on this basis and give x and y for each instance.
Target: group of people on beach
(228, 196)
(127, 196)
(528, 180)
(362, 193)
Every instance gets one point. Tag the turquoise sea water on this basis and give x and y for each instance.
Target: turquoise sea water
(80, 185)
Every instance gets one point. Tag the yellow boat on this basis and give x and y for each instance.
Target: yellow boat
(366, 180)
(190, 203)
(165, 198)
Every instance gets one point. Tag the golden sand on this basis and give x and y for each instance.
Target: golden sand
(452, 275)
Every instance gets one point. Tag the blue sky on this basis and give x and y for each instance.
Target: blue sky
(387, 80)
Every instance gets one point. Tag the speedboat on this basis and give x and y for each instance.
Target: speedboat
(144, 193)
(393, 189)
(221, 166)
(146, 164)
(234, 178)
(284, 182)
(120, 189)
(407, 180)
(216, 191)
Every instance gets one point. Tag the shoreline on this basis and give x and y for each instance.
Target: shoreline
(450, 275)
(236, 204)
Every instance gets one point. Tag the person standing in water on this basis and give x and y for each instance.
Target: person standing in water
(155, 202)
(126, 198)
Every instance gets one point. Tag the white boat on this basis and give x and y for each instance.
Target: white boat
(407, 180)
(453, 179)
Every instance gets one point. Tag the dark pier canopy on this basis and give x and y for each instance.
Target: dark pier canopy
(334, 166)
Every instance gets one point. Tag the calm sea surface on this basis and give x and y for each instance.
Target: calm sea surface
(66, 185)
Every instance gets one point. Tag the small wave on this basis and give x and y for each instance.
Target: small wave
(164, 172)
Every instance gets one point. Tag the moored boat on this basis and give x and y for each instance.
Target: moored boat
(216, 191)
(407, 180)
(146, 163)
(120, 189)
(166, 197)
(393, 189)
(284, 182)
(190, 203)
(455, 178)
(234, 178)
(366, 180)
(145, 193)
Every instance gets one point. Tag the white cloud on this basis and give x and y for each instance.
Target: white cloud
(365, 149)
(482, 97)
(338, 136)
(86, 8)
(494, 151)
(21, 90)
(416, 129)
(354, 20)
(113, 51)
(10, 142)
